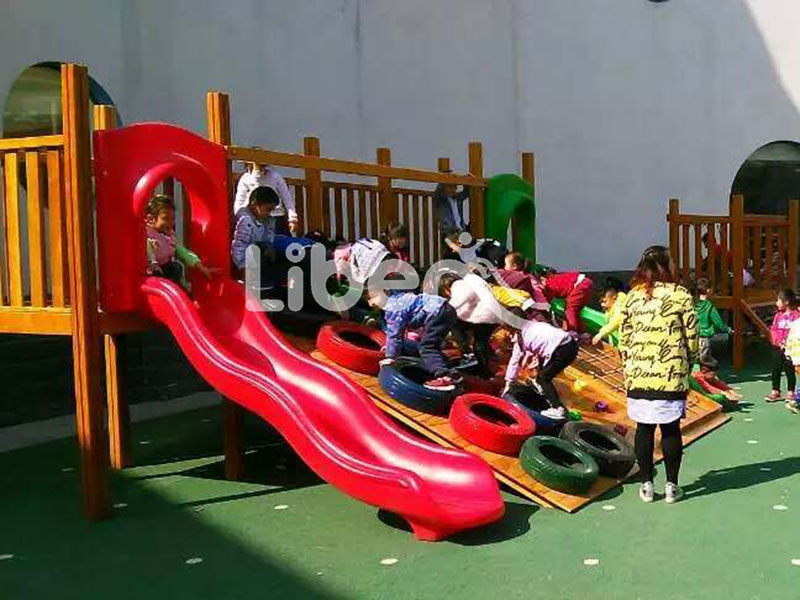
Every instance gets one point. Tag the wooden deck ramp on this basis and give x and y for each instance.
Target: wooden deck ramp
(600, 378)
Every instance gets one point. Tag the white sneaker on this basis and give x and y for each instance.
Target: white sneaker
(673, 493)
(555, 413)
(647, 491)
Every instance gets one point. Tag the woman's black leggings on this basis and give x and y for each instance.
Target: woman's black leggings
(782, 364)
(671, 447)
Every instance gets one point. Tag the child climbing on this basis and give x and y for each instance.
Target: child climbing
(285, 212)
(165, 256)
(575, 288)
(474, 303)
(395, 239)
(786, 303)
(255, 226)
(552, 350)
(612, 301)
(708, 380)
(435, 316)
(515, 275)
(708, 320)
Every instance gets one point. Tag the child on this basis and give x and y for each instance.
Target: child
(554, 350)
(165, 256)
(575, 288)
(793, 354)
(395, 238)
(708, 320)
(786, 303)
(255, 225)
(284, 213)
(474, 303)
(612, 301)
(437, 318)
(448, 205)
(360, 259)
(708, 380)
(514, 274)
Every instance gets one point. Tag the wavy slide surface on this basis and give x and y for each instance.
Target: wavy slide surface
(329, 420)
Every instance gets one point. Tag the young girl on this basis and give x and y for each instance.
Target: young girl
(786, 303)
(395, 238)
(165, 256)
(515, 275)
(284, 213)
(612, 301)
(554, 350)
(254, 225)
(575, 288)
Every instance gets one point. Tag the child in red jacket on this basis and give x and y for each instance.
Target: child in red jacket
(575, 288)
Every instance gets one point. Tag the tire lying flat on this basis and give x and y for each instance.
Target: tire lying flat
(491, 423)
(403, 380)
(558, 464)
(534, 404)
(613, 453)
(352, 346)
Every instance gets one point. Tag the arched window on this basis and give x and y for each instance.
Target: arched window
(769, 178)
(33, 104)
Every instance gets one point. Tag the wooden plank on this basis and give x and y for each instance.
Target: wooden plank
(409, 220)
(119, 437)
(380, 170)
(336, 199)
(698, 250)
(59, 276)
(425, 232)
(362, 213)
(711, 271)
(724, 284)
(35, 321)
(31, 143)
(13, 237)
(36, 232)
(781, 266)
(317, 215)
(387, 198)
(477, 225)
(685, 256)
(792, 250)
(737, 253)
(82, 274)
(757, 250)
(674, 234)
(350, 212)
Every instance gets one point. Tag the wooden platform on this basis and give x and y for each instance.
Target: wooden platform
(600, 378)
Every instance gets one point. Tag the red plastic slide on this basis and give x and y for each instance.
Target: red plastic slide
(329, 421)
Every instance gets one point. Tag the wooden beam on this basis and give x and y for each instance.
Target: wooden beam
(306, 161)
(737, 254)
(674, 235)
(13, 234)
(36, 231)
(35, 321)
(477, 221)
(792, 243)
(29, 143)
(82, 277)
(317, 215)
(59, 276)
(387, 198)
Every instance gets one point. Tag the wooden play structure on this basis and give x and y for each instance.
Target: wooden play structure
(729, 249)
(48, 272)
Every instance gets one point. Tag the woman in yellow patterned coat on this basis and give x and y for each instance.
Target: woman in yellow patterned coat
(658, 342)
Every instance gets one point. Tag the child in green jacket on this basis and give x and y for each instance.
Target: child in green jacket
(709, 322)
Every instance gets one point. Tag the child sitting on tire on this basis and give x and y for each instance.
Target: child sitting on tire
(435, 316)
(553, 350)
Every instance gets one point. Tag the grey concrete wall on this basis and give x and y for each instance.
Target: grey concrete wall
(625, 103)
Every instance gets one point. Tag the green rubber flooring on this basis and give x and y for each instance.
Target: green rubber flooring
(181, 531)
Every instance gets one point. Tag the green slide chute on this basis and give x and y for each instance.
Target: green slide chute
(510, 196)
(592, 319)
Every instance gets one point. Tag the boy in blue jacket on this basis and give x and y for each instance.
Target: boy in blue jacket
(437, 318)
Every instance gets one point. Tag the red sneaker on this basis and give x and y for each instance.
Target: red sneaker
(774, 396)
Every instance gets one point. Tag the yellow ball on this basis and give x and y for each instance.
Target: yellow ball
(578, 385)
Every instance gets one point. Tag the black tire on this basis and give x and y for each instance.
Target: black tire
(534, 403)
(613, 453)
(558, 464)
(403, 381)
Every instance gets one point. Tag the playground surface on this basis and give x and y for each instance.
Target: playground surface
(180, 530)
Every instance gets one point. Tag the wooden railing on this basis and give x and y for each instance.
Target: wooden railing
(729, 251)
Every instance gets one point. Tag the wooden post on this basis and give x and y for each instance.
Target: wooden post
(83, 289)
(737, 251)
(477, 222)
(318, 217)
(792, 245)
(529, 176)
(387, 198)
(443, 165)
(674, 234)
(119, 439)
(219, 132)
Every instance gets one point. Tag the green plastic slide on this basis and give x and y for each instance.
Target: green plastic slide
(510, 196)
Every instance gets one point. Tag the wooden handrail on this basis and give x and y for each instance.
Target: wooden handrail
(304, 161)
(25, 143)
